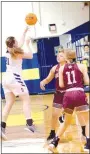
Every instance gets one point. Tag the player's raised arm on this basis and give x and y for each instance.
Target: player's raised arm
(22, 40)
(49, 78)
(28, 54)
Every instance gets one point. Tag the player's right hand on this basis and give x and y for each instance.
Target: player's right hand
(42, 86)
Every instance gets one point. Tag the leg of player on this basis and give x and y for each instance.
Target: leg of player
(61, 118)
(87, 146)
(27, 111)
(10, 98)
(61, 130)
(63, 127)
(83, 118)
(56, 112)
(83, 130)
(82, 126)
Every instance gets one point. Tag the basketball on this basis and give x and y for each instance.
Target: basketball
(31, 19)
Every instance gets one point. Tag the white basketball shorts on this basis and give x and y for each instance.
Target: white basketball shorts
(13, 82)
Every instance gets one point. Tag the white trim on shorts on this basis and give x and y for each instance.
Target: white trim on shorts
(75, 89)
(56, 105)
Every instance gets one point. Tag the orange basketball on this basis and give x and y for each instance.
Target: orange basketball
(31, 19)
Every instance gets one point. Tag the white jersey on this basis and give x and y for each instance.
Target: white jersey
(12, 80)
(13, 65)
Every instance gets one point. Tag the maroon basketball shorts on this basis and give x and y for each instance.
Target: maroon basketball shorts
(75, 99)
(58, 99)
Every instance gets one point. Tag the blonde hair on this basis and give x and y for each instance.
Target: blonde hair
(70, 54)
(15, 51)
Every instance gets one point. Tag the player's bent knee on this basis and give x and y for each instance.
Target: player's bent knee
(25, 97)
(56, 112)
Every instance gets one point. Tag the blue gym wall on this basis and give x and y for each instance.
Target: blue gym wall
(77, 32)
(31, 68)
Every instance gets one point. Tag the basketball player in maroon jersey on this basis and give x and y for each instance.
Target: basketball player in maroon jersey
(59, 93)
(71, 77)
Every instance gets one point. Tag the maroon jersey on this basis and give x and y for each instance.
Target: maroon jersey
(59, 93)
(72, 76)
(57, 80)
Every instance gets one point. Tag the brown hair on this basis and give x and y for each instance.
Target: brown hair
(10, 41)
(60, 50)
(14, 51)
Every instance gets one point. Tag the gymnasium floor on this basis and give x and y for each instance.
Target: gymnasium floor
(22, 141)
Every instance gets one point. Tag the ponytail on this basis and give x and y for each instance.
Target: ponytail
(15, 51)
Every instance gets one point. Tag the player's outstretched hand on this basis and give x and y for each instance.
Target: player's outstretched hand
(42, 86)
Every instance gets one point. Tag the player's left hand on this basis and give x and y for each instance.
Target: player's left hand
(42, 86)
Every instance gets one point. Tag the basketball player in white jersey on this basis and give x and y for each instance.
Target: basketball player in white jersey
(13, 84)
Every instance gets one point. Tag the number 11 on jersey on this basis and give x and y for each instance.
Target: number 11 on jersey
(69, 74)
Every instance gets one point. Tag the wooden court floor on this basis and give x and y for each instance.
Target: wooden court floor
(41, 106)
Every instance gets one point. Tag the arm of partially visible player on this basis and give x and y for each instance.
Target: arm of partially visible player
(61, 81)
(49, 78)
(85, 75)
